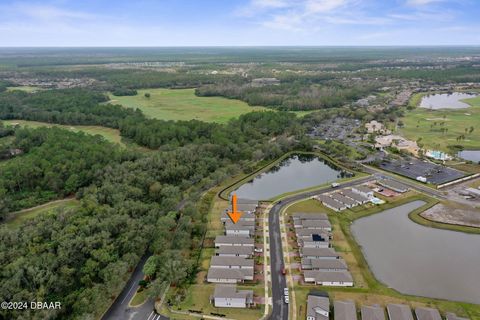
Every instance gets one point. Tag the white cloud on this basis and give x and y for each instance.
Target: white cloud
(416, 3)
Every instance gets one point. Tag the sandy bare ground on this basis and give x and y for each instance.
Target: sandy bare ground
(445, 214)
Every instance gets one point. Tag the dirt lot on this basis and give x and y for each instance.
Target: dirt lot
(446, 214)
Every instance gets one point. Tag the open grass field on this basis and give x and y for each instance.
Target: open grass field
(109, 134)
(24, 88)
(183, 104)
(369, 290)
(15, 219)
(427, 124)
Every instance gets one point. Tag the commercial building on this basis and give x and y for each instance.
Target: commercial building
(363, 191)
(360, 199)
(393, 185)
(227, 296)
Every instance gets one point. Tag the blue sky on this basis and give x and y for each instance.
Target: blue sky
(238, 22)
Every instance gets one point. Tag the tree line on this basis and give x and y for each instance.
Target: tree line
(129, 203)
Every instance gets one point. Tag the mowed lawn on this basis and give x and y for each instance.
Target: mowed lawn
(109, 134)
(427, 124)
(183, 104)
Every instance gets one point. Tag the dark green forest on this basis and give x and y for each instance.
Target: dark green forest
(130, 203)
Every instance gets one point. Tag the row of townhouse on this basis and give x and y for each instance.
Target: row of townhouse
(319, 262)
(233, 260)
(318, 308)
(346, 198)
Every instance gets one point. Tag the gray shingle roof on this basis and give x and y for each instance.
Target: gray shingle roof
(355, 196)
(345, 310)
(329, 276)
(399, 312)
(373, 313)
(326, 263)
(217, 261)
(453, 316)
(317, 304)
(234, 240)
(234, 250)
(341, 198)
(427, 314)
(310, 216)
(319, 252)
(230, 291)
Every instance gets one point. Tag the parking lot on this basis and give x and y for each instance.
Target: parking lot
(413, 168)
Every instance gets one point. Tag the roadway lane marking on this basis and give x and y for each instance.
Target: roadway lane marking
(150, 315)
(126, 296)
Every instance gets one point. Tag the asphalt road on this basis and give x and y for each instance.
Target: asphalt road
(120, 310)
(279, 282)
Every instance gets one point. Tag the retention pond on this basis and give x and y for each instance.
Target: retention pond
(418, 260)
(297, 172)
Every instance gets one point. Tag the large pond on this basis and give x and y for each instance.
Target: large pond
(294, 173)
(418, 260)
(446, 100)
(470, 155)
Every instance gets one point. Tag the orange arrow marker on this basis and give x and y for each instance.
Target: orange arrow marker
(234, 215)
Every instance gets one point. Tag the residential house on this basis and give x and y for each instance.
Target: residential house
(331, 203)
(233, 241)
(374, 312)
(227, 296)
(349, 203)
(225, 275)
(329, 278)
(318, 306)
(234, 251)
(453, 316)
(345, 310)
(317, 225)
(241, 228)
(399, 312)
(314, 241)
(324, 264)
(246, 216)
(319, 253)
(427, 314)
(231, 262)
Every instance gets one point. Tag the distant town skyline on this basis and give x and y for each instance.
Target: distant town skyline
(239, 23)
